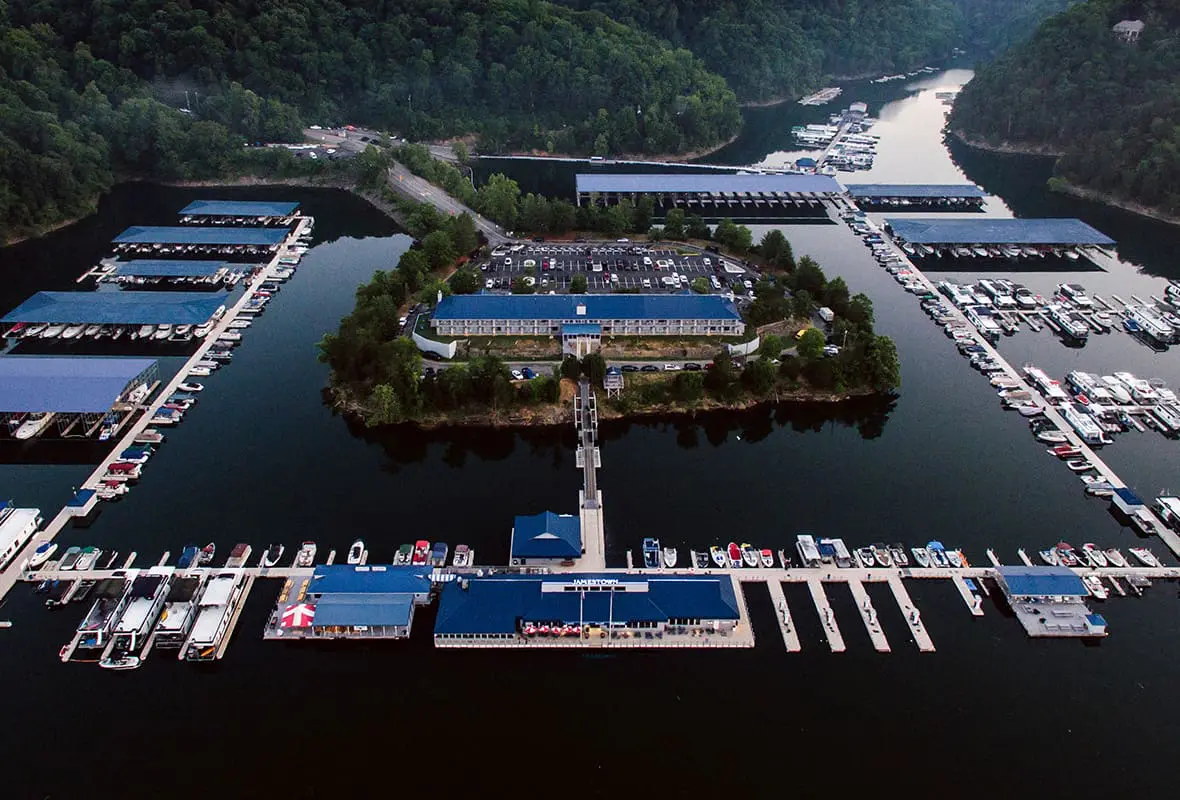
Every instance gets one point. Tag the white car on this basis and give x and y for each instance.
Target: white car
(831, 350)
(489, 283)
(517, 375)
(671, 367)
(529, 280)
(647, 283)
(647, 261)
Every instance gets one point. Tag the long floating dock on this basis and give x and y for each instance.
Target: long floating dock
(785, 623)
(973, 603)
(827, 617)
(912, 616)
(869, 615)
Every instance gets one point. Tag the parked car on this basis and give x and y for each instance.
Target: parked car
(517, 375)
(649, 368)
(692, 366)
(527, 373)
(671, 367)
(630, 368)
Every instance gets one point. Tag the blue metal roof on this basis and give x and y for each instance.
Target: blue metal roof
(496, 603)
(240, 208)
(80, 498)
(915, 190)
(119, 308)
(172, 268)
(349, 579)
(1042, 581)
(792, 183)
(363, 609)
(1128, 497)
(30, 384)
(547, 535)
(998, 231)
(191, 234)
(581, 329)
(596, 307)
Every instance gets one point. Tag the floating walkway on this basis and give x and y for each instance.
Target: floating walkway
(869, 615)
(912, 616)
(827, 617)
(785, 623)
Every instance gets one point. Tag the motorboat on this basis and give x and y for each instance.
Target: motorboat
(865, 556)
(272, 555)
(749, 555)
(955, 558)
(1066, 554)
(921, 556)
(70, 558)
(190, 386)
(206, 554)
(33, 425)
(1094, 586)
(143, 332)
(1053, 437)
(718, 555)
(784, 560)
(306, 555)
(767, 558)
(122, 662)
(881, 555)
(651, 553)
(162, 332)
(87, 558)
(438, 554)
(462, 557)
(670, 556)
(73, 331)
(52, 331)
(1050, 557)
(421, 552)
(900, 559)
(735, 554)
(1145, 557)
(356, 552)
(937, 554)
(1097, 557)
(404, 554)
(42, 554)
(1064, 451)
(1079, 465)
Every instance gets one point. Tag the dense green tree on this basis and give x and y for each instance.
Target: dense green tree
(802, 304)
(461, 152)
(465, 281)
(674, 224)
(499, 199)
(775, 248)
(771, 346)
(463, 232)
(700, 285)
(535, 213)
(439, 249)
(759, 375)
(720, 378)
(688, 387)
(641, 217)
(561, 217)
(522, 286)
(835, 296)
(578, 283)
(570, 368)
(808, 276)
(697, 228)
(736, 237)
(594, 367)
(811, 344)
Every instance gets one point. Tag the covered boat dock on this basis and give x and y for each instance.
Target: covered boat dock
(118, 308)
(88, 391)
(239, 212)
(985, 232)
(173, 268)
(935, 197)
(709, 191)
(184, 240)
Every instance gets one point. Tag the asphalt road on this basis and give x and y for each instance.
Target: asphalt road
(403, 181)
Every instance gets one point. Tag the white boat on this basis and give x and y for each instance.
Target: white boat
(1097, 557)
(1094, 584)
(356, 552)
(123, 662)
(1116, 558)
(1145, 557)
(162, 332)
(188, 386)
(717, 553)
(72, 331)
(42, 554)
(1050, 557)
(272, 555)
(462, 556)
(670, 557)
(921, 556)
(52, 331)
(199, 372)
(954, 558)
(306, 555)
(34, 425)
(92, 331)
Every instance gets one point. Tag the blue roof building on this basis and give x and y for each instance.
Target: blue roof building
(546, 536)
(1050, 601)
(1042, 582)
(191, 234)
(119, 308)
(614, 315)
(503, 606)
(69, 385)
(1033, 232)
(174, 268)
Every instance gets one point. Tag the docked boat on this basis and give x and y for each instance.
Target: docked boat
(272, 555)
(421, 552)
(937, 554)
(865, 556)
(900, 559)
(882, 556)
(1066, 554)
(122, 662)
(718, 555)
(1064, 451)
(750, 556)
(784, 560)
(188, 557)
(1094, 586)
(34, 425)
(700, 559)
(462, 557)
(1053, 437)
(1097, 557)
(651, 553)
(42, 554)
(86, 558)
(306, 555)
(206, 554)
(955, 558)
(1079, 465)
(1145, 557)
(1050, 557)
(190, 386)
(404, 555)
(921, 556)
(767, 558)
(356, 552)
(735, 554)
(670, 557)
(238, 555)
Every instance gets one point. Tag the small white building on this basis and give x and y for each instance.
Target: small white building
(1129, 30)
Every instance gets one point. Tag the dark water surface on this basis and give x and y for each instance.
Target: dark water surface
(261, 459)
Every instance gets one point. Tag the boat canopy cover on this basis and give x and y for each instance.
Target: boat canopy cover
(998, 231)
(921, 190)
(1127, 501)
(707, 184)
(240, 208)
(119, 308)
(33, 384)
(193, 234)
(173, 268)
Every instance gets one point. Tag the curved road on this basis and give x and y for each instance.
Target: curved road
(404, 182)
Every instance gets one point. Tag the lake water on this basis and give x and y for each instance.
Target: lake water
(261, 459)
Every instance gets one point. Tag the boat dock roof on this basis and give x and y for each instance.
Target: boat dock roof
(32, 384)
(118, 308)
(191, 234)
(679, 183)
(172, 268)
(1061, 232)
(239, 208)
(926, 191)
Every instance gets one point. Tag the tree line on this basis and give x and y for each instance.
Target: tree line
(1109, 106)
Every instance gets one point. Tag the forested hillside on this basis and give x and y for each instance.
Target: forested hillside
(1111, 107)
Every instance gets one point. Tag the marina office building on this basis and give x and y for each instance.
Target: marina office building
(587, 317)
(545, 538)
(1049, 601)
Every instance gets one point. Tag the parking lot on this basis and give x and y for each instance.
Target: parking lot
(612, 267)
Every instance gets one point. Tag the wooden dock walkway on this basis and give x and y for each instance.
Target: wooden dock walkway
(827, 617)
(912, 616)
(973, 603)
(785, 623)
(869, 614)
